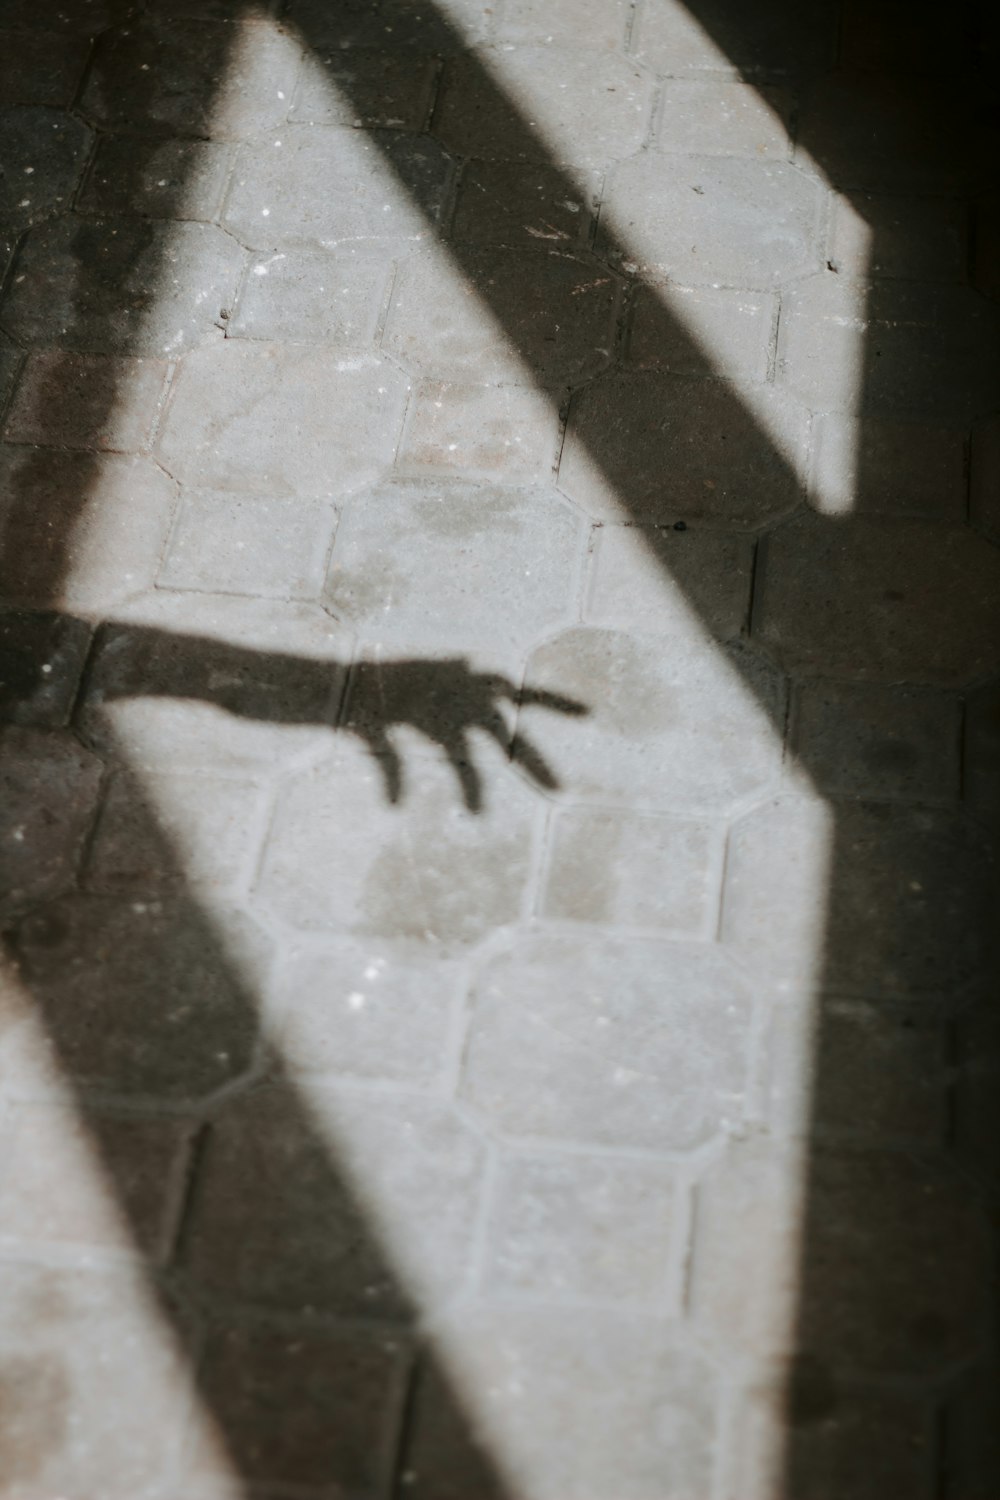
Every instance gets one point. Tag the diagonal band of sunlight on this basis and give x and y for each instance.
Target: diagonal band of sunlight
(394, 1233)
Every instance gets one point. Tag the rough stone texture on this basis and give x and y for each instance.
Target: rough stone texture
(661, 729)
(580, 1227)
(366, 1009)
(50, 787)
(153, 179)
(280, 419)
(711, 219)
(511, 433)
(907, 913)
(863, 740)
(312, 1249)
(656, 448)
(281, 551)
(481, 942)
(107, 521)
(631, 870)
(595, 115)
(520, 550)
(70, 401)
(878, 601)
(312, 296)
(121, 285)
(613, 1041)
(428, 870)
(560, 311)
(324, 185)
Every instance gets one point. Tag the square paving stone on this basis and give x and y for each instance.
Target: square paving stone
(725, 119)
(603, 1404)
(579, 1227)
(106, 1182)
(659, 448)
(192, 78)
(630, 870)
(924, 239)
(492, 432)
(390, 25)
(249, 544)
(880, 1074)
(712, 220)
(672, 725)
(710, 331)
(865, 740)
(609, 1041)
(141, 998)
(96, 1396)
(509, 203)
(774, 40)
(429, 869)
(595, 115)
(324, 185)
(354, 1009)
(105, 517)
(175, 831)
(68, 400)
(503, 315)
(121, 285)
(304, 296)
(879, 600)
(279, 420)
(50, 785)
(41, 662)
(157, 179)
(880, 899)
(439, 565)
(354, 1204)
(573, 23)
(365, 89)
(893, 348)
(667, 582)
(303, 1407)
(865, 466)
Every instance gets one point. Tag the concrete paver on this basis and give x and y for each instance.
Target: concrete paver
(498, 683)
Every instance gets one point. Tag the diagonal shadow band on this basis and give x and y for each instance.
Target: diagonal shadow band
(633, 474)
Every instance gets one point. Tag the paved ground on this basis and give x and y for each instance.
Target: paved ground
(500, 674)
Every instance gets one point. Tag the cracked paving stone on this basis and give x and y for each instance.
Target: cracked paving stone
(282, 420)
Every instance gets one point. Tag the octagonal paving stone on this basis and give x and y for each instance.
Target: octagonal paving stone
(880, 899)
(282, 420)
(593, 116)
(121, 285)
(712, 219)
(673, 723)
(325, 185)
(503, 315)
(654, 448)
(142, 998)
(612, 1041)
(351, 851)
(879, 601)
(504, 564)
